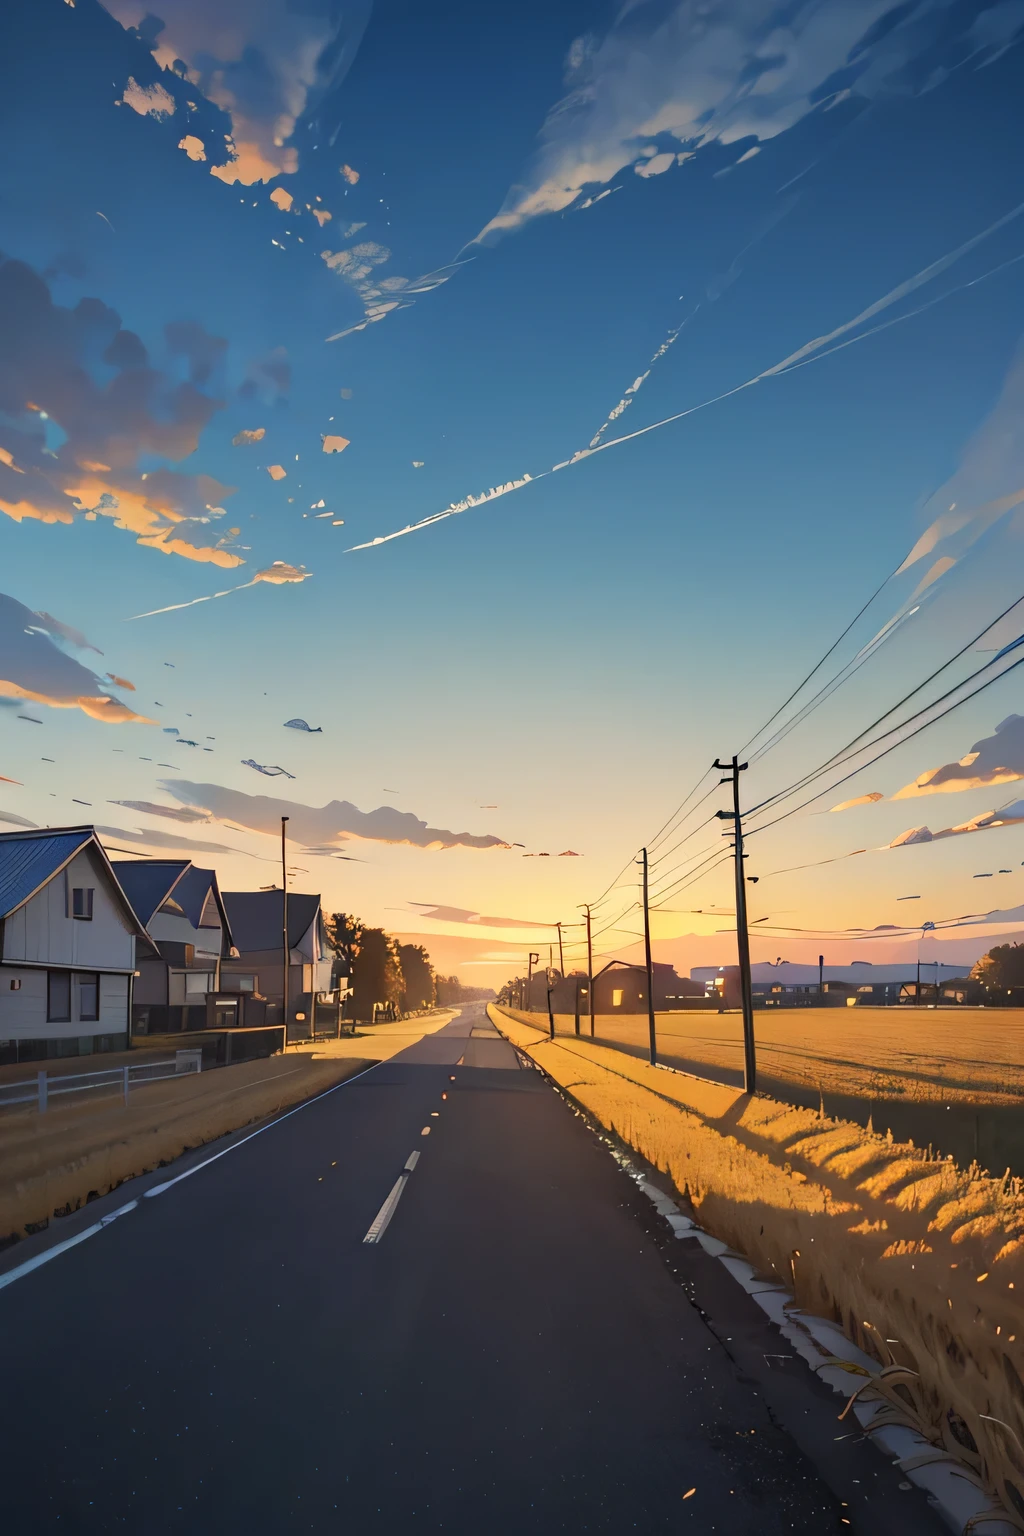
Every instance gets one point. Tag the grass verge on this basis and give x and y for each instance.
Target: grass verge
(921, 1262)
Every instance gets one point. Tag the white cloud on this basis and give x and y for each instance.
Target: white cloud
(148, 100)
(692, 73)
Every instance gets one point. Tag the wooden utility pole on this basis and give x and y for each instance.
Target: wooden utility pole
(285, 947)
(734, 769)
(590, 973)
(651, 1027)
(561, 955)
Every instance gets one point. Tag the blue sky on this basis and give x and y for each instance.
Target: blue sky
(576, 652)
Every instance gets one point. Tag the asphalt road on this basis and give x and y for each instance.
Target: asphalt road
(515, 1354)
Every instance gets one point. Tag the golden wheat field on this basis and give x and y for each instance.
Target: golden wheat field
(918, 1261)
(951, 1077)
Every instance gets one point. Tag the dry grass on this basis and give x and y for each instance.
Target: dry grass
(952, 1077)
(920, 1261)
(51, 1164)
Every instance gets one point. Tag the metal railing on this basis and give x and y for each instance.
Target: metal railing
(52, 1085)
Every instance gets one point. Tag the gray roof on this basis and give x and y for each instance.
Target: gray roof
(191, 892)
(28, 860)
(255, 918)
(148, 882)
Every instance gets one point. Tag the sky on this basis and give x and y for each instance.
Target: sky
(534, 403)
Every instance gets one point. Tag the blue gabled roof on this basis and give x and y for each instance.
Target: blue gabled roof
(147, 883)
(28, 861)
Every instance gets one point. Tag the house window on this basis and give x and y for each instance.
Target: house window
(81, 902)
(58, 997)
(16, 985)
(88, 997)
(198, 983)
(238, 983)
(616, 999)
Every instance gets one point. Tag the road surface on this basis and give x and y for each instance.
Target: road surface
(513, 1354)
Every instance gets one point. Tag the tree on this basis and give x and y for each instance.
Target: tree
(1001, 971)
(418, 977)
(376, 972)
(345, 933)
(451, 990)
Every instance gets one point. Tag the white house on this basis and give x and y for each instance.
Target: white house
(184, 914)
(68, 937)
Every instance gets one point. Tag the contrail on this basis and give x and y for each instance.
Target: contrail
(453, 510)
(173, 607)
(811, 351)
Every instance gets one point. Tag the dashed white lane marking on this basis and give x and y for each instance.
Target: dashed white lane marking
(411, 1161)
(379, 1224)
(425, 1131)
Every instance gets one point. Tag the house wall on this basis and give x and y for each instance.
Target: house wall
(208, 941)
(44, 932)
(23, 1011)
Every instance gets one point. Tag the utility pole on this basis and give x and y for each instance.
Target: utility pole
(651, 1028)
(734, 769)
(590, 969)
(577, 1021)
(821, 977)
(561, 956)
(285, 947)
(529, 979)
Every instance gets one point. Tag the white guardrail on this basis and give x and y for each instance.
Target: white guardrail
(47, 1086)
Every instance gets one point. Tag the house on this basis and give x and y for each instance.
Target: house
(256, 920)
(68, 937)
(178, 985)
(622, 988)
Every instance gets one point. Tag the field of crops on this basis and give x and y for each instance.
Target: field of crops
(949, 1077)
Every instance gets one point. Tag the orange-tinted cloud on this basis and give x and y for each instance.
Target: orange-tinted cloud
(997, 759)
(193, 147)
(848, 805)
(33, 668)
(47, 379)
(277, 472)
(350, 175)
(261, 63)
(247, 436)
(281, 199)
(281, 573)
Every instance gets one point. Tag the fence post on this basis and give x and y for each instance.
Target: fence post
(41, 1081)
(126, 1071)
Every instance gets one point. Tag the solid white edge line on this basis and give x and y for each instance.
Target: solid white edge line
(159, 1189)
(70, 1242)
(379, 1224)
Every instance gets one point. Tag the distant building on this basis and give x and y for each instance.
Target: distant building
(622, 988)
(178, 984)
(793, 984)
(67, 946)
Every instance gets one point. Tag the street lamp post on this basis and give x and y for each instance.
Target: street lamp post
(285, 947)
